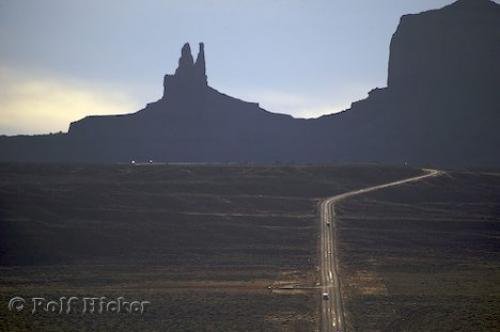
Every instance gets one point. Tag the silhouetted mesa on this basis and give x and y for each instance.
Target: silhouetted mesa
(441, 107)
(455, 47)
(442, 104)
(191, 122)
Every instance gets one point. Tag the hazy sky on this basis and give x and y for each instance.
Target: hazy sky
(62, 59)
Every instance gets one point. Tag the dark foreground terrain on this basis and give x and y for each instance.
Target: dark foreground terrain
(424, 256)
(203, 244)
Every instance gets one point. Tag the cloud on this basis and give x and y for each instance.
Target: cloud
(37, 104)
(40, 103)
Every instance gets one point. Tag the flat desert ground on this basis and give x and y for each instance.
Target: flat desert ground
(235, 248)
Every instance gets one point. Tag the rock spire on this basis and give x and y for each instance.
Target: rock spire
(189, 80)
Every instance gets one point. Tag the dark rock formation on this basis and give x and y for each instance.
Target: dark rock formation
(441, 107)
(442, 104)
(189, 83)
(454, 47)
(191, 122)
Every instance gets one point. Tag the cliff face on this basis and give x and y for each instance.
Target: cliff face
(442, 102)
(442, 51)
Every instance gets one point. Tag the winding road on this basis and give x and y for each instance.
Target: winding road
(332, 310)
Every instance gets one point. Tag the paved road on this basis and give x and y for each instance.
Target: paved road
(332, 311)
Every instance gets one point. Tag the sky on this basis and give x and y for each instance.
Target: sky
(61, 60)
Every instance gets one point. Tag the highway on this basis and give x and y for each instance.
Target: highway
(332, 310)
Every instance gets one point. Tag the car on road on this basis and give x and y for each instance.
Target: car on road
(328, 223)
(326, 296)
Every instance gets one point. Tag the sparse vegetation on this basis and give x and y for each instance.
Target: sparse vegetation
(423, 256)
(202, 243)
